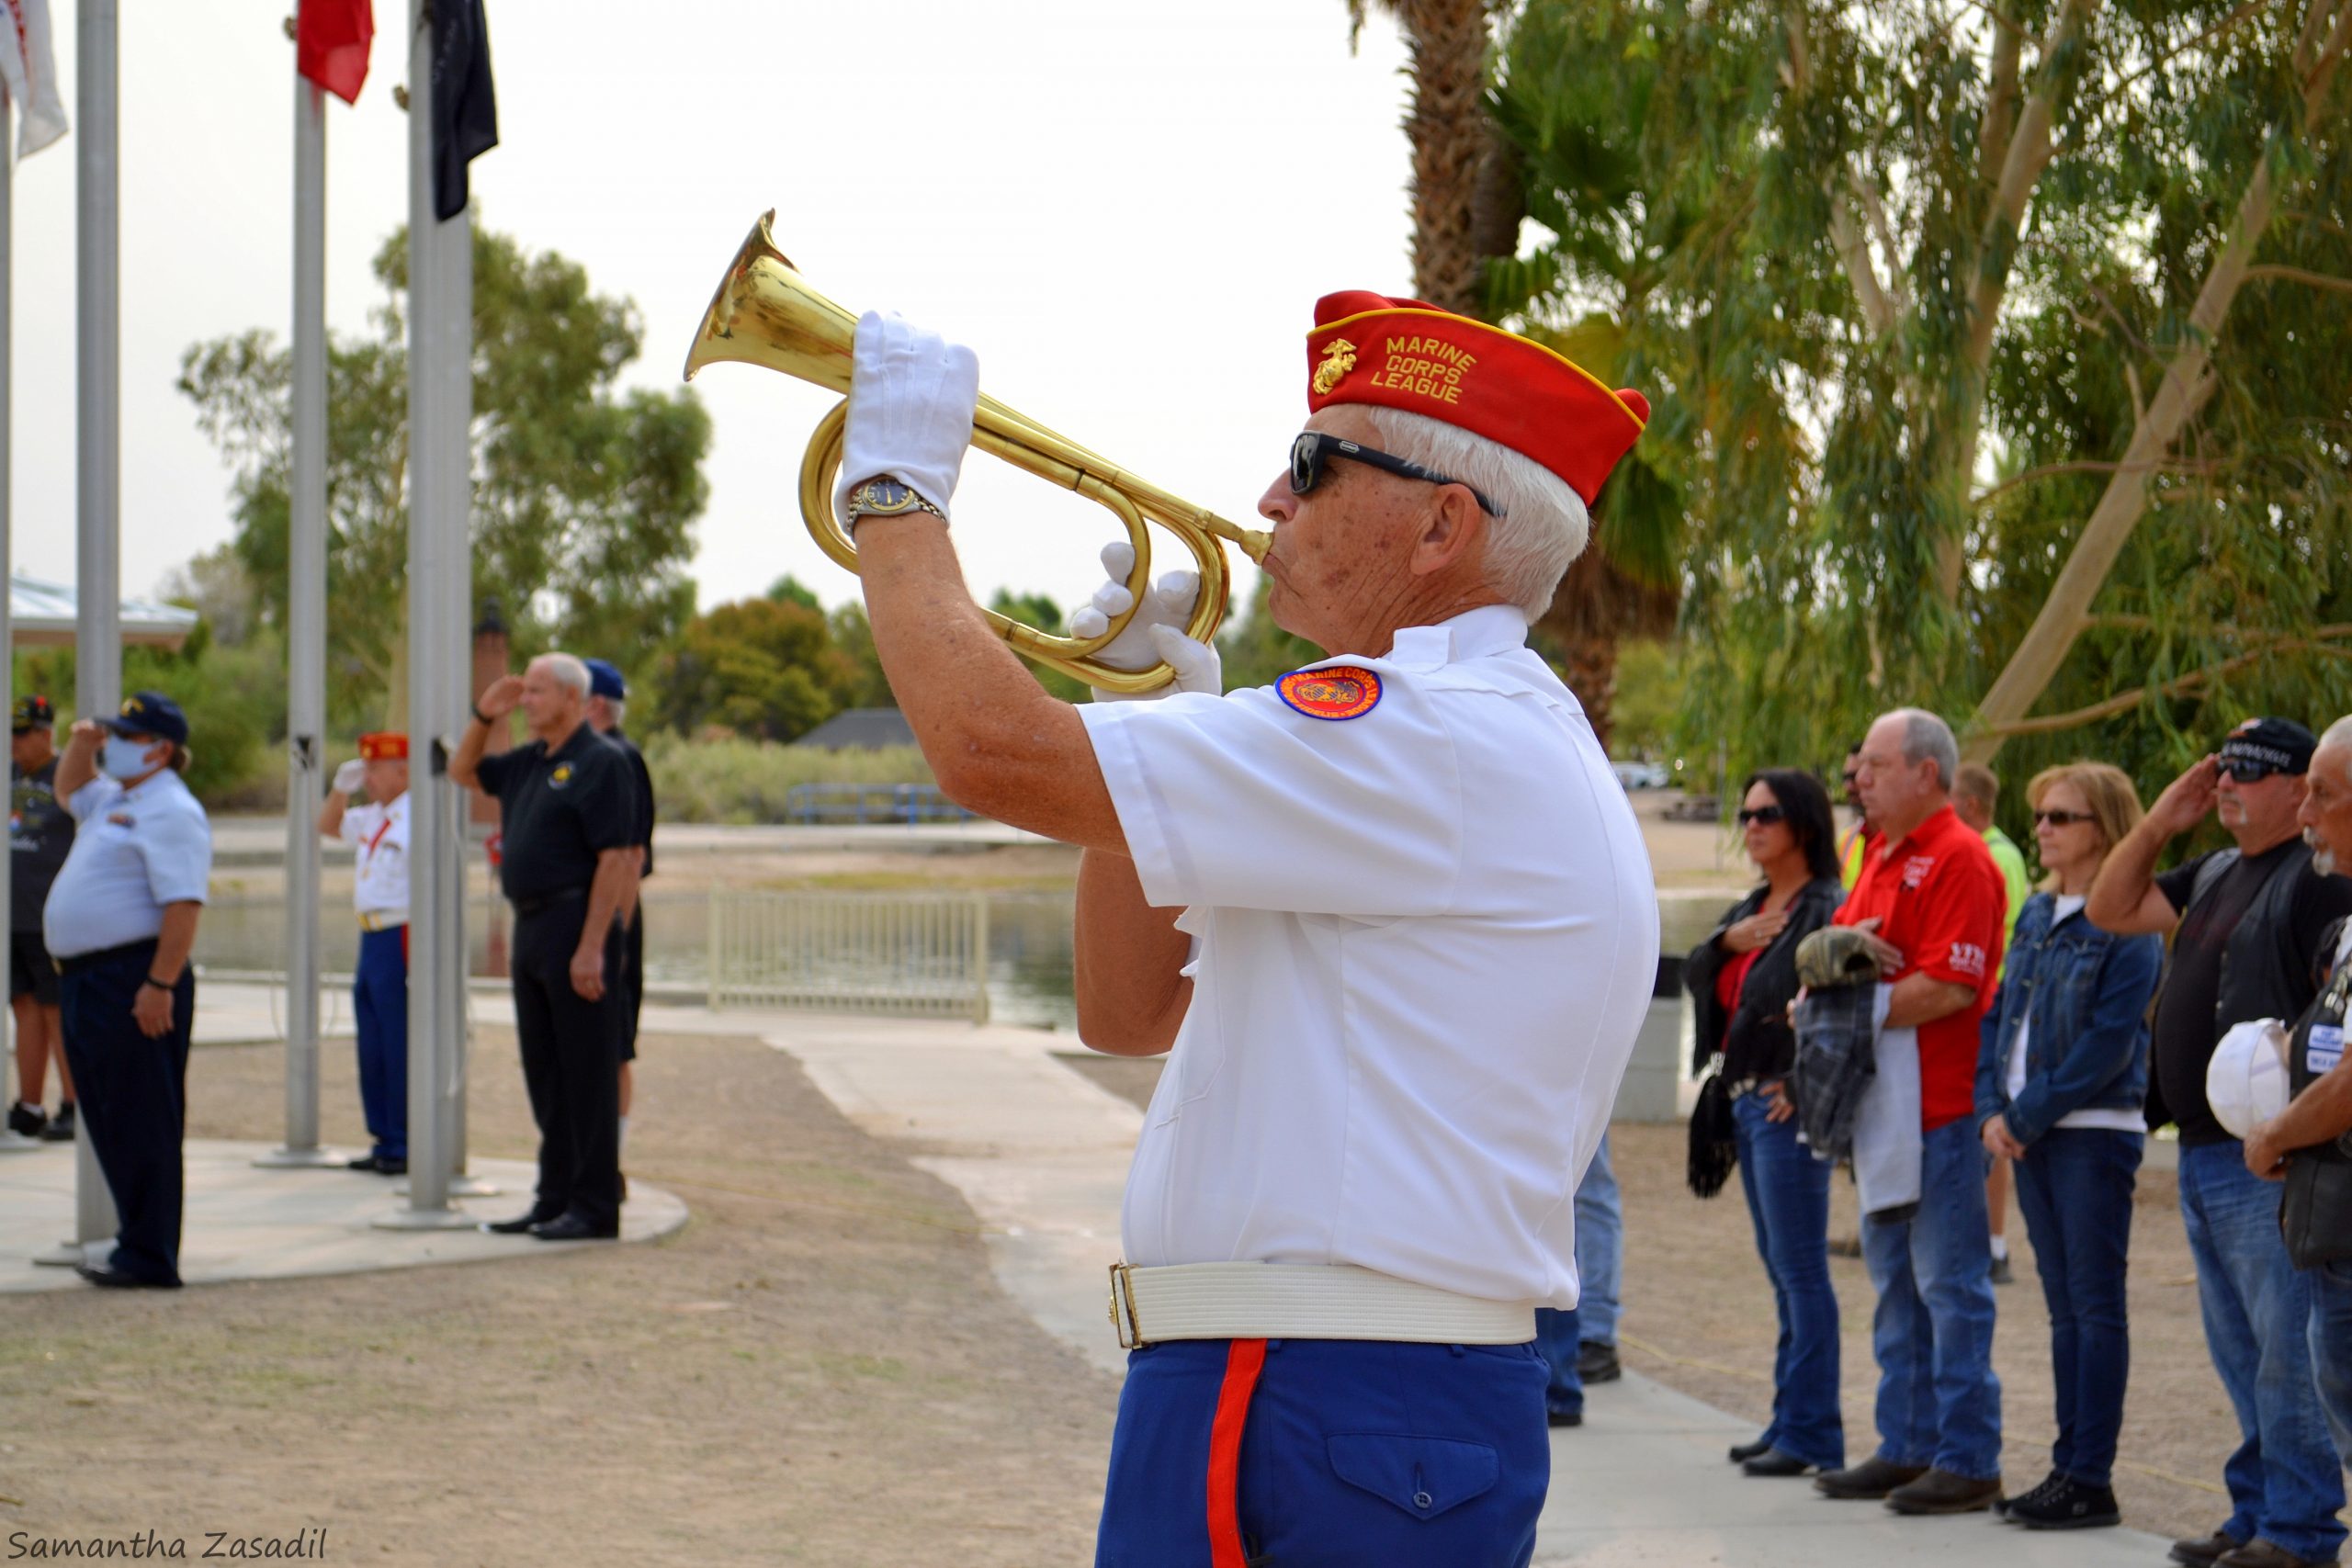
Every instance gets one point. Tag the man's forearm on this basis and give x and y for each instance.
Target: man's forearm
(176, 941)
(2321, 1114)
(2124, 878)
(470, 746)
(1923, 998)
(76, 766)
(606, 893)
(1131, 995)
(331, 814)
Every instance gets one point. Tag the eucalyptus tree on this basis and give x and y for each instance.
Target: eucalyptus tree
(2000, 349)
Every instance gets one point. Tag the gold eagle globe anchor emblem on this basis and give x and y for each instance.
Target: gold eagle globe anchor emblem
(1338, 358)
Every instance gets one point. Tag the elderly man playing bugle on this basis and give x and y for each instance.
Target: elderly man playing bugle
(1392, 914)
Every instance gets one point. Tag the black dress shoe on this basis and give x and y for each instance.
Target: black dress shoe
(112, 1278)
(60, 1126)
(392, 1167)
(1772, 1462)
(365, 1162)
(521, 1225)
(571, 1227)
(1872, 1478)
(1563, 1417)
(27, 1120)
(1742, 1452)
(1597, 1362)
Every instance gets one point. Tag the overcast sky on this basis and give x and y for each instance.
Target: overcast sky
(1128, 210)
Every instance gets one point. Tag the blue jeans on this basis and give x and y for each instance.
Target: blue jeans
(2074, 1191)
(1788, 1201)
(2284, 1481)
(2331, 1350)
(1938, 1402)
(1600, 1248)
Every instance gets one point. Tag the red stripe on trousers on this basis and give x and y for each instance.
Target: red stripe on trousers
(1243, 1359)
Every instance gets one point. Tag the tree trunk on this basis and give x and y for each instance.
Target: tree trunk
(1454, 143)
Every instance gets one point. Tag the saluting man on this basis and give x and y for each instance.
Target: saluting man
(569, 867)
(1392, 913)
(378, 832)
(120, 922)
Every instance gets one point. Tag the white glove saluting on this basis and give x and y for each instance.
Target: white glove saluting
(1155, 636)
(350, 776)
(911, 399)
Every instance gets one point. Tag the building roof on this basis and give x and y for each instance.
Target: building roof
(860, 730)
(41, 614)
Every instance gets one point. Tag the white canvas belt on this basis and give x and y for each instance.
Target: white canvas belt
(381, 920)
(1283, 1301)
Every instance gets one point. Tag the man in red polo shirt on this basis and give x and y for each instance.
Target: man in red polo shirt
(1930, 889)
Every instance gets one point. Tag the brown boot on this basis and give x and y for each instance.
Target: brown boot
(2261, 1553)
(1942, 1492)
(1871, 1478)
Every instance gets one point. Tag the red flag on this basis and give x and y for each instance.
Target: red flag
(331, 40)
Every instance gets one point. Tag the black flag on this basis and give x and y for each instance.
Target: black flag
(465, 107)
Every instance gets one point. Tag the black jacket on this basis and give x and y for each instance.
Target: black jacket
(1755, 1041)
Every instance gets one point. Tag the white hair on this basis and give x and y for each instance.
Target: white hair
(616, 710)
(568, 671)
(1927, 738)
(2339, 735)
(1540, 524)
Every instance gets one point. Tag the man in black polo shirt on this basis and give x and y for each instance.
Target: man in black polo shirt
(2250, 922)
(569, 868)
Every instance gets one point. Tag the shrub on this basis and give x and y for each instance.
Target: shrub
(740, 780)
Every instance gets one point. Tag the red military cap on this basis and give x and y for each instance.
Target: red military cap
(383, 745)
(1409, 354)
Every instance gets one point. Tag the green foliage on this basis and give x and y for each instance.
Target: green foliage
(745, 781)
(790, 590)
(1039, 610)
(762, 668)
(234, 699)
(1649, 699)
(1876, 498)
(1254, 650)
(853, 636)
(584, 495)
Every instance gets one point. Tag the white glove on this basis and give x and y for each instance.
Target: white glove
(910, 400)
(1155, 636)
(350, 776)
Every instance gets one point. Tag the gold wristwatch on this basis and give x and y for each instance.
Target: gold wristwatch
(886, 497)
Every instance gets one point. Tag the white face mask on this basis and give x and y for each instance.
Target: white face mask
(124, 758)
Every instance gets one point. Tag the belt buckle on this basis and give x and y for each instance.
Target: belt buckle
(1122, 1310)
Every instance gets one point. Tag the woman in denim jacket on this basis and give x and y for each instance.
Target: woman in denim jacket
(2060, 1082)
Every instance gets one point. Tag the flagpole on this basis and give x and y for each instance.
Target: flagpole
(306, 646)
(14, 1083)
(98, 588)
(432, 643)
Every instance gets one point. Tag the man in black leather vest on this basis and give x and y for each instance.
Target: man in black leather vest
(2310, 1144)
(2250, 921)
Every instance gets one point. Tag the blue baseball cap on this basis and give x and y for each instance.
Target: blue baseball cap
(605, 680)
(149, 713)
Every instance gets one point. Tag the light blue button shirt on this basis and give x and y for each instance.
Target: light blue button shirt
(134, 851)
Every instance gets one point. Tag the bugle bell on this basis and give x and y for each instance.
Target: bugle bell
(766, 314)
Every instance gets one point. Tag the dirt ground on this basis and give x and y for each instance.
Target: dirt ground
(817, 1370)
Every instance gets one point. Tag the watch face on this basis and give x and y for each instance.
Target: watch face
(887, 495)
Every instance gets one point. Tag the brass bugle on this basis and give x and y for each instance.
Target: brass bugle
(766, 314)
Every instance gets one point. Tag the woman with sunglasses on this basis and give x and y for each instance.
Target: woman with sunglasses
(1742, 979)
(2059, 1086)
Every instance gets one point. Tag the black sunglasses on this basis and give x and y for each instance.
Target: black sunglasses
(1314, 449)
(2062, 818)
(1767, 815)
(2247, 769)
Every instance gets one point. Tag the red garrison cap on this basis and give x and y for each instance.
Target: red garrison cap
(1409, 354)
(383, 745)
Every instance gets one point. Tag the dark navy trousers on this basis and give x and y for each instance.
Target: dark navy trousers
(132, 1091)
(379, 1003)
(1322, 1453)
(571, 1065)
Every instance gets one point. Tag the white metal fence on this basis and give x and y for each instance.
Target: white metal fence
(912, 955)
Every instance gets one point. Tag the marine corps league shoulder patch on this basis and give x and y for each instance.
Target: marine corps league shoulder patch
(1336, 691)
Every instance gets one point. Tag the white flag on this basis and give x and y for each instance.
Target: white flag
(31, 68)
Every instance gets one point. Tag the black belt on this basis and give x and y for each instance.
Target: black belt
(546, 901)
(104, 955)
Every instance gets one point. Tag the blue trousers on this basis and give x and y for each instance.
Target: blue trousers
(1560, 1333)
(1332, 1453)
(2330, 1338)
(133, 1093)
(2285, 1484)
(1788, 1204)
(2074, 1191)
(1938, 1402)
(379, 1002)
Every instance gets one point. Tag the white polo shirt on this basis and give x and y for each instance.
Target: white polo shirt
(134, 851)
(379, 883)
(1425, 937)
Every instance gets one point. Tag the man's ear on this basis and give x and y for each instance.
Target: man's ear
(1454, 531)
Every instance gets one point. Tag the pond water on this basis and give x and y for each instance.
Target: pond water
(1029, 944)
